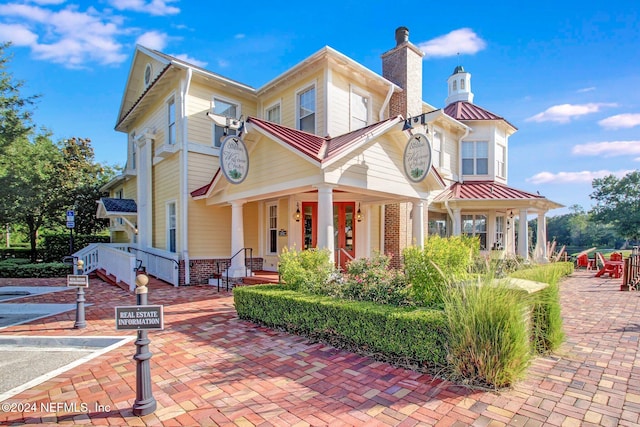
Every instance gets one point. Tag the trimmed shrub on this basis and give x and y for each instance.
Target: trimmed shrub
(306, 270)
(487, 336)
(441, 262)
(413, 336)
(372, 279)
(52, 269)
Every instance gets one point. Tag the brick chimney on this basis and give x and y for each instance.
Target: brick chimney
(403, 66)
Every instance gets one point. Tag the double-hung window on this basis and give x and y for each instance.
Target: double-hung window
(272, 238)
(171, 121)
(307, 110)
(171, 227)
(273, 113)
(224, 108)
(360, 108)
(476, 226)
(475, 157)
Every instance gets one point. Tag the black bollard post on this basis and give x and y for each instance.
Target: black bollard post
(145, 403)
(80, 320)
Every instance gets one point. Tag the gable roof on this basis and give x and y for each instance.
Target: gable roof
(322, 149)
(114, 206)
(463, 110)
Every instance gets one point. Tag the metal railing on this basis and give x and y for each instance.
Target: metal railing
(163, 265)
(227, 263)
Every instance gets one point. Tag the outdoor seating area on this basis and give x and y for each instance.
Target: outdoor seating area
(612, 266)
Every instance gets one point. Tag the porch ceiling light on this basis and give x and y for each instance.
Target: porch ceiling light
(297, 215)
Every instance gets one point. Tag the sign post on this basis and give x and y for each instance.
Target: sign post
(79, 281)
(71, 223)
(141, 317)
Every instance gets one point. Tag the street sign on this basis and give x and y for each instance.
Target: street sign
(77, 280)
(139, 317)
(71, 219)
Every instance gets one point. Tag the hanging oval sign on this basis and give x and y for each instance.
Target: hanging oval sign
(234, 159)
(417, 157)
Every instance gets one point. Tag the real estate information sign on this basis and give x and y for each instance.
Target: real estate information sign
(140, 317)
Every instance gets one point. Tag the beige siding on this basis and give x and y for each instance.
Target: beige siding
(166, 188)
(209, 230)
(199, 103)
(202, 168)
(383, 169)
(271, 167)
(136, 86)
(289, 101)
(131, 189)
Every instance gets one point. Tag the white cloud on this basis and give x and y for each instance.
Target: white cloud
(463, 41)
(565, 112)
(48, 2)
(18, 34)
(607, 148)
(153, 40)
(68, 36)
(620, 121)
(586, 89)
(573, 177)
(186, 58)
(154, 7)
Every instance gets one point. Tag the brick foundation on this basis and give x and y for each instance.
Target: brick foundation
(201, 270)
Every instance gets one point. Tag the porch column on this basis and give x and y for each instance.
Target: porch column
(523, 234)
(326, 238)
(418, 223)
(237, 267)
(457, 222)
(541, 242)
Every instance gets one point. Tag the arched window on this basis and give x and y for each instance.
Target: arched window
(462, 84)
(455, 86)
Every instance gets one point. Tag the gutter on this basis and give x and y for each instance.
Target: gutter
(184, 193)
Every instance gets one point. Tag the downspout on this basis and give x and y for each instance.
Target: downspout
(385, 104)
(184, 195)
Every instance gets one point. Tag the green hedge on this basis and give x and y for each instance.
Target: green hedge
(56, 246)
(22, 270)
(415, 336)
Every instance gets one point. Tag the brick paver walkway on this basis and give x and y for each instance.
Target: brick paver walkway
(209, 368)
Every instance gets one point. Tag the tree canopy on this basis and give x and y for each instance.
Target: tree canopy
(618, 203)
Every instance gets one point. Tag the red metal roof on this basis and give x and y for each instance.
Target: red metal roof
(202, 191)
(484, 190)
(316, 147)
(463, 110)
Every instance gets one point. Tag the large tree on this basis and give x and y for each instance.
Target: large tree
(618, 203)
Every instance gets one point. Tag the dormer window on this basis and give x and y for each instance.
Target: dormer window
(148, 70)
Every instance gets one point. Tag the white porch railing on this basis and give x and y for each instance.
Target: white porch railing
(113, 258)
(162, 264)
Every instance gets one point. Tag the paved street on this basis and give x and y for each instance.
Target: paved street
(209, 368)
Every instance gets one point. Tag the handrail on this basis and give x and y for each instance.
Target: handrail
(154, 254)
(246, 269)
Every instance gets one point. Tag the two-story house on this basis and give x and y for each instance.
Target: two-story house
(329, 154)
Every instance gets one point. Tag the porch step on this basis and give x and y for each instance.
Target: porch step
(111, 279)
(260, 277)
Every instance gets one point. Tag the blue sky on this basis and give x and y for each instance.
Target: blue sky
(566, 73)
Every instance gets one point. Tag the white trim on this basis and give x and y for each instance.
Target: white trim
(171, 99)
(313, 85)
(148, 81)
(267, 247)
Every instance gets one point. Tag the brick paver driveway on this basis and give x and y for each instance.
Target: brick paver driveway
(209, 368)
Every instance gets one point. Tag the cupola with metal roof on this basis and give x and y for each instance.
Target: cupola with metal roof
(459, 83)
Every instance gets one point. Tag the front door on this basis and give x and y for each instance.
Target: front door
(343, 228)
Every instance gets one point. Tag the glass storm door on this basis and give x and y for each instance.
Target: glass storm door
(344, 233)
(343, 228)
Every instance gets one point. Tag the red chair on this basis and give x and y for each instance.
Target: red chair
(616, 256)
(584, 261)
